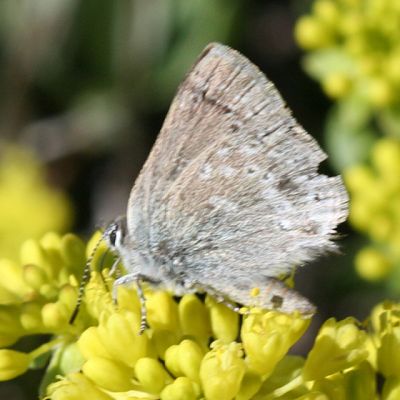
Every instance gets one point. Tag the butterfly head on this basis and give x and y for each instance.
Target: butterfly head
(115, 233)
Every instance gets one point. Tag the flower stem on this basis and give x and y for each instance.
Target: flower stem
(289, 386)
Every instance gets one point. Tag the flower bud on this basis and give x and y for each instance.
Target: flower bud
(31, 317)
(55, 315)
(109, 374)
(389, 353)
(327, 11)
(162, 311)
(372, 264)
(90, 344)
(194, 318)
(338, 346)
(10, 327)
(337, 85)
(181, 389)
(151, 375)
(34, 276)
(120, 335)
(74, 388)
(358, 178)
(268, 336)
(312, 33)
(222, 371)
(386, 158)
(224, 321)
(172, 361)
(68, 295)
(12, 364)
(12, 279)
(380, 92)
(190, 356)
(33, 253)
(162, 340)
(72, 251)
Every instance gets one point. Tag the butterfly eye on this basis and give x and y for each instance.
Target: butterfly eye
(113, 238)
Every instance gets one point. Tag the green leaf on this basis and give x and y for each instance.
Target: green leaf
(348, 136)
(320, 64)
(389, 121)
(199, 22)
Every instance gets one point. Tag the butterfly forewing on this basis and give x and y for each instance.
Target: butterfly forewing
(231, 188)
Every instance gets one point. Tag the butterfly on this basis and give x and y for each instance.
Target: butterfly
(230, 198)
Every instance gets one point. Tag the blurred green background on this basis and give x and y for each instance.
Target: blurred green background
(85, 85)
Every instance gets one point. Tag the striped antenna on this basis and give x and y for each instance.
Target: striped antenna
(85, 280)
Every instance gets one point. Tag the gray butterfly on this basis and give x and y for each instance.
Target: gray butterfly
(229, 199)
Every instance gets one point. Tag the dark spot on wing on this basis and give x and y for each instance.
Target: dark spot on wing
(277, 301)
(287, 184)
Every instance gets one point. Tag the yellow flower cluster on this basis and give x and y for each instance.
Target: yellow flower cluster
(168, 363)
(193, 349)
(28, 206)
(375, 208)
(355, 48)
(38, 294)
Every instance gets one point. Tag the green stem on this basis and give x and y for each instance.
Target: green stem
(289, 386)
(46, 347)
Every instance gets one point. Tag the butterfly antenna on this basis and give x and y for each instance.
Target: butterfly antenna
(84, 281)
(102, 261)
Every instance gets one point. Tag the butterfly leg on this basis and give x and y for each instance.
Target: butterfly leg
(220, 298)
(137, 279)
(114, 266)
(143, 310)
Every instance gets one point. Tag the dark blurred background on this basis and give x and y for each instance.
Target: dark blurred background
(86, 85)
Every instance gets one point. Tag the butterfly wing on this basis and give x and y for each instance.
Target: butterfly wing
(188, 129)
(231, 187)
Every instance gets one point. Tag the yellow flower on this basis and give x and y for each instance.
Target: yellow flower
(39, 295)
(356, 384)
(380, 92)
(337, 85)
(173, 358)
(151, 375)
(391, 389)
(12, 363)
(222, 371)
(371, 264)
(327, 11)
(268, 336)
(109, 374)
(181, 389)
(224, 321)
(194, 318)
(185, 359)
(386, 158)
(21, 178)
(118, 333)
(375, 210)
(338, 346)
(386, 322)
(384, 316)
(389, 353)
(312, 33)
(74, 388)
(357, 39)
